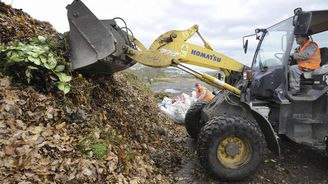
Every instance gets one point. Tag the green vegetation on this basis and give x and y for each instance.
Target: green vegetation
(26, 61)
(110, 136)
(99, 150)
(98, 145)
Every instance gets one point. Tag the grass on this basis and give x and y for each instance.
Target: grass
(99, 145)
(99, 150)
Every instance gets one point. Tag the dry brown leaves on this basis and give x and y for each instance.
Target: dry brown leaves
(107, 130)
(41, 134)
(40, 137)
(18, 25)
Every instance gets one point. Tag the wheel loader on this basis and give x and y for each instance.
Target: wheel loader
(233, 129)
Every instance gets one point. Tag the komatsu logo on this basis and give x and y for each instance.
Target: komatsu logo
(211, 57)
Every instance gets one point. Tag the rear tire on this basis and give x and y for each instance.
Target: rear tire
(192, 119)
(230, 148)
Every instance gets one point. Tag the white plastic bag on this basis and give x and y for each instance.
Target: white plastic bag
(177, 110)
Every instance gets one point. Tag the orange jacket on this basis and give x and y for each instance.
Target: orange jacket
(312, 62)
(208, 96)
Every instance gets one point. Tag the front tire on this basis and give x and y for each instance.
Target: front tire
(230, 148)
(192, 119)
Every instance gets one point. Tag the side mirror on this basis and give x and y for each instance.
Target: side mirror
(295, 21)
(245, 42)
(245, 46)
(301, 21)
(297, 12)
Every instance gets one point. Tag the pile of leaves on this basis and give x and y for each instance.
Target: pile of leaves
(107, 129)
(18, 25)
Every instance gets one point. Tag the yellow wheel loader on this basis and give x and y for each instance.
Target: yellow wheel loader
(101, 46)
(231, 130)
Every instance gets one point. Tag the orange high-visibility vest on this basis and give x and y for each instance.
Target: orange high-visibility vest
(208, 96)
(312, 62)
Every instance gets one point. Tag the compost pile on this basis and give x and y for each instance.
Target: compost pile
(107, 129)
(18, 25)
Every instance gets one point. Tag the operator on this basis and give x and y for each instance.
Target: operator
(203, 93)
(307, 56)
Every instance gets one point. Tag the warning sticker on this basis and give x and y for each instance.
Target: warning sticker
(184, 50)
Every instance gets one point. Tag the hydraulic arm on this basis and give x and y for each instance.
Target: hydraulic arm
(173, 44)
(101, 46)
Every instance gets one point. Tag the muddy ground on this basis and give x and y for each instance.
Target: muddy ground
(297, 164)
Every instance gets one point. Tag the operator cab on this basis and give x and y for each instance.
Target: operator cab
(302, 118)
(272, 58)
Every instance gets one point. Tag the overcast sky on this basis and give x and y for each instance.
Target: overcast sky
(222, 23)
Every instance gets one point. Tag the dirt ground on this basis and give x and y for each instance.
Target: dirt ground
(297, 164)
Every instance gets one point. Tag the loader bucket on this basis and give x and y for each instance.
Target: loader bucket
(96, 46)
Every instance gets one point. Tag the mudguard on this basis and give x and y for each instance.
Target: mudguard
(226, 103)
(266, 128)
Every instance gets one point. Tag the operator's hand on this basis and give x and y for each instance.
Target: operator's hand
(296, 50)
(291, 60)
